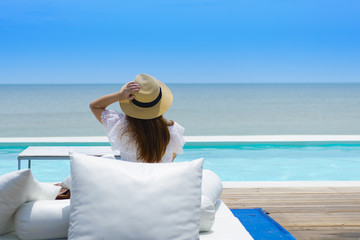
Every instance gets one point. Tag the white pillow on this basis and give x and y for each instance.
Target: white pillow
(207, 214)
(66, 183)
(211, 185)
(44, 219)
(130, 200)
(17, 188)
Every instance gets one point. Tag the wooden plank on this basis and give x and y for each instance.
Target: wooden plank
(317, 219)
(280, 203)
(325, 233)
(292, 194)
(275, 190)
(307, 209)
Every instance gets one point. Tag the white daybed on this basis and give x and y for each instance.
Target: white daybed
(37, 216)
(226, 227)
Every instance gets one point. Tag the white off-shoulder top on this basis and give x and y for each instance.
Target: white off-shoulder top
(115, 123)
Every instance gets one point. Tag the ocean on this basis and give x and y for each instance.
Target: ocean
(203, 109)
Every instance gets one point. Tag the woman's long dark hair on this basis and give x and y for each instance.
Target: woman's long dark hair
(152, 137)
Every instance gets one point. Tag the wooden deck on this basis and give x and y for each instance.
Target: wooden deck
(331, 212)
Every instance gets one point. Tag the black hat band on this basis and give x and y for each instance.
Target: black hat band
(148, 104)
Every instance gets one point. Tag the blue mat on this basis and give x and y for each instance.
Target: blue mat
(260, 225)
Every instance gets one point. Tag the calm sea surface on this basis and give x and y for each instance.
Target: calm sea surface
(210, 109)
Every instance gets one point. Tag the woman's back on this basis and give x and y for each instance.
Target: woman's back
(116, 126)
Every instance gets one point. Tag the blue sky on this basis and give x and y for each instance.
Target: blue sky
(179, 41)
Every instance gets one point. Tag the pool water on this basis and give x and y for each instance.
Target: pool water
(232, 161)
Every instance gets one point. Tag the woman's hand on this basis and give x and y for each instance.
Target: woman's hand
(128, 91)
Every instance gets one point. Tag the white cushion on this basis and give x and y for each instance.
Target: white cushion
(130, 200)
(207, 214)
(17, 188)
(211, 185)
(226, 229)
(45, 219)
(66, 183)
(222, 210)
(226, 226)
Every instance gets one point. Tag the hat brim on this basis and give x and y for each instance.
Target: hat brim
(157, 110)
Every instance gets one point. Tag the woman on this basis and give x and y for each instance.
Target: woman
(142, 134)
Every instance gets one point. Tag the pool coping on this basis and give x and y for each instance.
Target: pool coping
(243, 138)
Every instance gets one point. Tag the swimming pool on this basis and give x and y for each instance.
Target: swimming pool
(232, 161)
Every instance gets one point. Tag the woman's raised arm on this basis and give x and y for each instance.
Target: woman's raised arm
(99, 105)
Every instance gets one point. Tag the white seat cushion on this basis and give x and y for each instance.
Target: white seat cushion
(127, 200)
(226, 226)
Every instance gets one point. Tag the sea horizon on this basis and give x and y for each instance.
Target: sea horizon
(191, 83)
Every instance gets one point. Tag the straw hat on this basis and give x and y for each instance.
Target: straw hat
(152, 101)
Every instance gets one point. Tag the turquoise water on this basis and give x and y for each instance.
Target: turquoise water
(203, 109)
(234, 162)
